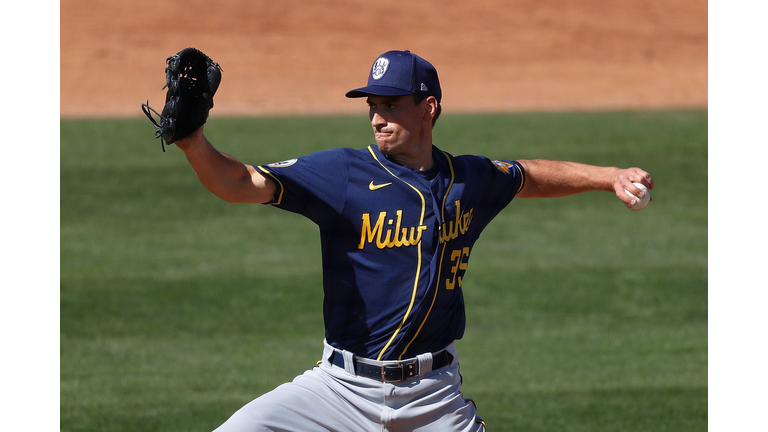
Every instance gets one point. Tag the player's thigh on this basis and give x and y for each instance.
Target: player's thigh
(460, 416)
(307, 404)
(444, 410)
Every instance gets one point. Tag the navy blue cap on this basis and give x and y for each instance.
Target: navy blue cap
(400, 73)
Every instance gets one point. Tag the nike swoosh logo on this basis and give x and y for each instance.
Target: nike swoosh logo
(375, 187)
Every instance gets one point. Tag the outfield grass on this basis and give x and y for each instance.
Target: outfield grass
(178, 308)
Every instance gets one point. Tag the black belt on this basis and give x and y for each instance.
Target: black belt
(391, 372)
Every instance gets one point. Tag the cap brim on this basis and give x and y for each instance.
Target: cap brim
(377, 91)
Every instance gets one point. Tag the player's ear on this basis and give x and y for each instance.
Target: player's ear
(430, 108)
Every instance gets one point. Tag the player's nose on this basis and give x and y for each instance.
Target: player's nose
(377, 119)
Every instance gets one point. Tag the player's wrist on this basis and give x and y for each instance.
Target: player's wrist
(192, 140)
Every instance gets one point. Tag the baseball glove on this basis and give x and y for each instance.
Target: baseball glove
(192, 79)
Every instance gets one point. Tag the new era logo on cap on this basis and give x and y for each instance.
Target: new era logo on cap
(400, 73)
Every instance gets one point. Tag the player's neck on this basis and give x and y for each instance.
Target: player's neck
(419, 158)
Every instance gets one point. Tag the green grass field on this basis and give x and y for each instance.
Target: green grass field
(178, 308)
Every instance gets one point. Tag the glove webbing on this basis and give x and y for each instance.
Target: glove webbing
(165, 122)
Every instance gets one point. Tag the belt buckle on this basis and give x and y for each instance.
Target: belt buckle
(407, 370)
(392, 367)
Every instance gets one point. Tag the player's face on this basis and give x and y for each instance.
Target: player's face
(397, 123)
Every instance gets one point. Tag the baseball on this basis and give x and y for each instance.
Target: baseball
(640, 203)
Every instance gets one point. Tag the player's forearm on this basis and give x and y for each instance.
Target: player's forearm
(223, 175)
(549, 178)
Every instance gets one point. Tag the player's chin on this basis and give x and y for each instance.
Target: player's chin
(385, 145)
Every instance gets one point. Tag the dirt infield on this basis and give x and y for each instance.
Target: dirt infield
(291, 57)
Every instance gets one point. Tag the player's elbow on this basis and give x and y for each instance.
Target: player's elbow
(531, 190)
(244, 197)
(230, 199)
(247, 192)
(247, 189)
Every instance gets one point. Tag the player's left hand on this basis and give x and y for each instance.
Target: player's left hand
(192, 79)
(625, 180)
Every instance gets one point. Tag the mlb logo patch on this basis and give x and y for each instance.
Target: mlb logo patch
(283, 164)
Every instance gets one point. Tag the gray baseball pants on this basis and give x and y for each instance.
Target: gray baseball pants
(331, 398)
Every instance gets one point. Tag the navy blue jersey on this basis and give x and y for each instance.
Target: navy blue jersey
(395, 246)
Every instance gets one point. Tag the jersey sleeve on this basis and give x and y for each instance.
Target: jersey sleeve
(501, 181)
(512, 175)
(313, 185)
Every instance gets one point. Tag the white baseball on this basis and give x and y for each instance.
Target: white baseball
(640, 203)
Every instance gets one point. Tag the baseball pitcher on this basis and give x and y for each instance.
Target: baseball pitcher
(398, 220)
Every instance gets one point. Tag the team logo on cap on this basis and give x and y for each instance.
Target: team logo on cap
(380, 68)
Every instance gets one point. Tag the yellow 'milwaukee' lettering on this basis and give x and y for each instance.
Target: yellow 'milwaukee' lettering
(460, 225)
(393, 235)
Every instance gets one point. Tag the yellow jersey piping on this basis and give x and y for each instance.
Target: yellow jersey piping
(418, 265)
(442, 254)
(282, 189)
(522, 175)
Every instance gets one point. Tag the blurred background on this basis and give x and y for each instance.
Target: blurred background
(299, 57)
